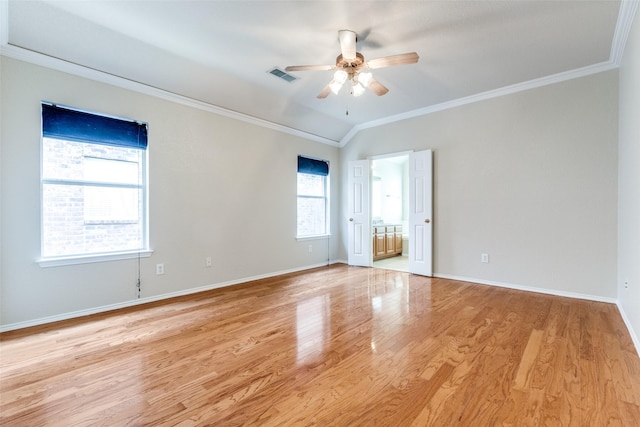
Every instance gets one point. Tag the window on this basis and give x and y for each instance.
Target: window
(94, 184)
(313, 201)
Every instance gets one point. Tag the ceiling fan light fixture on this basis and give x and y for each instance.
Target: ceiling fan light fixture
(340, 77)
(335, 86)
(358, 89)
(348, 65)
(365, 78)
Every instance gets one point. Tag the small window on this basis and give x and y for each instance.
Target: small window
(313, 197)
(94, 184)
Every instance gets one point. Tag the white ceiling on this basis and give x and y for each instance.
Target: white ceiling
(220, 52)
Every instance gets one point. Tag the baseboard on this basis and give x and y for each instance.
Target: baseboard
(632, 332)
(131, 303)
(530, 288)
(522, 288)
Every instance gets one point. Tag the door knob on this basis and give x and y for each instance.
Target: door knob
(427, 220)
(351, 219)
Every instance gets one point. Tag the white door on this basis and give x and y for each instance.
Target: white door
(360, 250)
(420, 212)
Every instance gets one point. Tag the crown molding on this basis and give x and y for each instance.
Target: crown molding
(57, 64)
(519, 87)
(4, 22)
(626, 15)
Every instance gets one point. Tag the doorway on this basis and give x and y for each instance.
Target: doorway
(390, 212)
(361, 243)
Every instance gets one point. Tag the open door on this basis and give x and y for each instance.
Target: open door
(420, 212)
(359, 251)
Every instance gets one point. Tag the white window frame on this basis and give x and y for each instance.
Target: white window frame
(143, 252)
(327, 222)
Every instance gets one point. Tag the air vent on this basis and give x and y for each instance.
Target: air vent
(284, 76)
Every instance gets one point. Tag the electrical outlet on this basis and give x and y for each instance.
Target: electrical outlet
(159, 268)
(626, 284)
(310, 248)
(484, 257)
(208, 262)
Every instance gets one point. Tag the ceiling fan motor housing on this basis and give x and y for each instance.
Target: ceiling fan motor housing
(350, 66)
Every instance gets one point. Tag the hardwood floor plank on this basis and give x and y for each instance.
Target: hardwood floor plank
(528, 360)
(599, 401)
(484, 384)
(331, 346)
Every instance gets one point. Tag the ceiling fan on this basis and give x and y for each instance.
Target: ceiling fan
(351, 67)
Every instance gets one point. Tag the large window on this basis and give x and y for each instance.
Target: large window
(94, 181)
(313, 197)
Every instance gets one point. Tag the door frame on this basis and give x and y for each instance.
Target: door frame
(371, 159)
(408, 154)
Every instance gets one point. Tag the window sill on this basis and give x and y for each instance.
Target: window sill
(86, 259)
(316, 237)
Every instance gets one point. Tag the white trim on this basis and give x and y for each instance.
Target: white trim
(588, 297)
(634, 337)
(529, 288)
(352, 132)
(36, 58)
(132, 303)
(626, 15)
(4, 22)
(391, 155)
(87, 259)
(314, 237)
(518, 87)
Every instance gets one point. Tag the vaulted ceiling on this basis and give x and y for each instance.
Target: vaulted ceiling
(220, 52)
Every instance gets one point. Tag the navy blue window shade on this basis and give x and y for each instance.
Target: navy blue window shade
(313, 166)
(79, 126)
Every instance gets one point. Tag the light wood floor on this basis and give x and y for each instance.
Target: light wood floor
(339, 346)
(397, 263)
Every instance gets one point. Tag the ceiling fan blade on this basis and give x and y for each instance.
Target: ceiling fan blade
(364, 40)
(309, 68)
(377, 87)
(324, 92)
(347, 40)
(388, 61)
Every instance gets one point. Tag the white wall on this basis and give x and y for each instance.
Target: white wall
(391, 174)
(529, 178)
(629, 183)
(219, 187)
